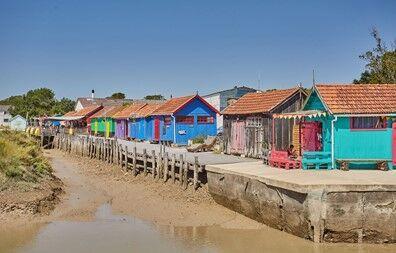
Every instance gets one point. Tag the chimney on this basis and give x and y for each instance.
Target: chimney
(93, 94)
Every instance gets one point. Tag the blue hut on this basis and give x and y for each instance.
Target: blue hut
(184, 118)
(348, 126)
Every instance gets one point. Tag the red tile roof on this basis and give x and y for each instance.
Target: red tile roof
(259, 102)
(173, 105)
(147, 110)
(129, 111)
(85, 112)
(107, 111)
(358, 98)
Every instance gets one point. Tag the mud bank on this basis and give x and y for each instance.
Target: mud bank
(344, 214)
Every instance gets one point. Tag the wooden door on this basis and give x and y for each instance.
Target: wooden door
(310, 132)
(238, 137)
(394, 143)
(157, 129)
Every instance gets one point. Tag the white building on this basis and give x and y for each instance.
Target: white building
(18, 123)
(5, 115)
(221, 99)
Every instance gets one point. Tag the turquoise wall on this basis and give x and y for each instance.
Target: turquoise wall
(363, 144)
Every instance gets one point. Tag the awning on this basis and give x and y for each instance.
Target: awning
(300, 114)
(64, 118)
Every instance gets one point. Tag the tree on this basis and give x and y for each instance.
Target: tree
(63, 106)
(381, 63)
(154, 97)
(38, 102)
(118, 95)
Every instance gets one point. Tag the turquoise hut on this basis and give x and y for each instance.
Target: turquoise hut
(348, 126)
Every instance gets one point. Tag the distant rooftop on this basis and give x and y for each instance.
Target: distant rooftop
(88, 101)
(234, 88)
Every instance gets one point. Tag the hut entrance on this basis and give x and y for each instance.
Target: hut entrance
(394, 142)
(157, 129)
(311, 133)
(238, 137)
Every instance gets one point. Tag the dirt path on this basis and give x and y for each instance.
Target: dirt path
(90, 183)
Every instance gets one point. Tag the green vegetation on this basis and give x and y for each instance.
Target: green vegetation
(38, 102)
(381, 63)
(154, 97)
(199, 139)
(21, 158)
(118, 95)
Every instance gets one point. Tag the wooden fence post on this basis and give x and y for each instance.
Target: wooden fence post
(166, 164)
(126, 157)
(173, 164)
(196, 167)
(153, 165)
(145, 162)
(185, 174)
(181, 169)
(135, 169)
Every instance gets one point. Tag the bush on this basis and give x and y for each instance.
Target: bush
(198, 140)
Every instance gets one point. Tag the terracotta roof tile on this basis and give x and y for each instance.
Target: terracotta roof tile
(172, 105)
(147, 110)
(85, 112)
(107, 111)
(359, 98)
(259, 102)
(129, 111)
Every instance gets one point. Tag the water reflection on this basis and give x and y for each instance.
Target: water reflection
(114, 233)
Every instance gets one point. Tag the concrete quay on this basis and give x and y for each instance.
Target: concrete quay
(323, 206)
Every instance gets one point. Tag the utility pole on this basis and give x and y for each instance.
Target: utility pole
(313, 76)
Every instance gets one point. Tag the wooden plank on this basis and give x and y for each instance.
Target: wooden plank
(134, 157)
(173, 164)
(145, 162)
(196, 167)
(166, 164)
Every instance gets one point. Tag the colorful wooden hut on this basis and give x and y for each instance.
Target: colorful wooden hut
(145, 122)
(102, 122)
(181, 119)
(124, 119)
(348, 126)
(79, 121)
(248, 123)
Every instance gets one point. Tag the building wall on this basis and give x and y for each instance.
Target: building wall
(18, 123)
(5, 118)
(361, 144)
(214, 100)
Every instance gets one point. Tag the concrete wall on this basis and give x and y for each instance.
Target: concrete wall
(346, 214)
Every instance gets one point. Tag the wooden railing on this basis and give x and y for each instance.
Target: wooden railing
(160, 166)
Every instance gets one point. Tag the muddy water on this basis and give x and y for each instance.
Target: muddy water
(108, 232)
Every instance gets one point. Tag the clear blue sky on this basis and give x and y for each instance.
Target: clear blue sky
(180, 47)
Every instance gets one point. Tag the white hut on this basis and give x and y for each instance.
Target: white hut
(18, 123)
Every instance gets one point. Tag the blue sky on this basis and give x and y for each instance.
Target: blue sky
(180, 47)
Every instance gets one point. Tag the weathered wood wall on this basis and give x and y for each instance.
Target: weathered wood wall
(260, 134)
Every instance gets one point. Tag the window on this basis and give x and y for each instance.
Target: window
(368, 123)
(167, 120)
(185, 119)
(6, 120)
(205, 120)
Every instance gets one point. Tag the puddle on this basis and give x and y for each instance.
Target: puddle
(115, 233)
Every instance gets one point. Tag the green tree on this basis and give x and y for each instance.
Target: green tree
(154, 97)
(118, 95)
(63, 106)
(381, 63)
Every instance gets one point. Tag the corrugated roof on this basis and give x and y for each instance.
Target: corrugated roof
(173, 105)
(259, 102)
(147, 110)
(107, 111)
(83, 112)
(129, 111)
(358, 98)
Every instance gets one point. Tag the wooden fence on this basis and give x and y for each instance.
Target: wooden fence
(161, 165)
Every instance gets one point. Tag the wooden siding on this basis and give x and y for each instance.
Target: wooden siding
(258, 130)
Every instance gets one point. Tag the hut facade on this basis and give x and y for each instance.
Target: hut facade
(144, 122)
(79, 121)
(248, 123)
(348, 126)
(124, 119)
(181, 119)
(103, 123)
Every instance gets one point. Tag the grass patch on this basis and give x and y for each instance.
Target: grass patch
(21, 158)
(199, 140)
